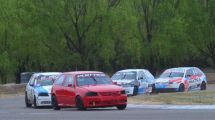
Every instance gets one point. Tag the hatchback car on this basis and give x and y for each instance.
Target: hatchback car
(181, 79)
(87, 89)
(135, 81)
(38, 89)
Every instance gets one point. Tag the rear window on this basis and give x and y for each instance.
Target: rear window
(93, 79)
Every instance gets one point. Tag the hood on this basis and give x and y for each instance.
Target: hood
(173, 79)
(102, 88)
(119, 82)
(43, 89)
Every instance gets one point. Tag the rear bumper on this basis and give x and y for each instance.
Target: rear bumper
(166, 89)
(104, 101)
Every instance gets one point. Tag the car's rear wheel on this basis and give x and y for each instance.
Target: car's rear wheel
(181, 88)
(135, 92)
(27, 104)
(203, 86)
(55, 103)
(79, 103)
(35, 102)
(121, 107)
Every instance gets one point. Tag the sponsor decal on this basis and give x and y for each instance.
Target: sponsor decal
(89, 75)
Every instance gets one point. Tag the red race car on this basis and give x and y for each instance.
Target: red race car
(87, 89)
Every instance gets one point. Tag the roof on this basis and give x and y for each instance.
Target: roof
(83, 72)
(184, 68)
(129, 70)
(179, 69)
(48, 73)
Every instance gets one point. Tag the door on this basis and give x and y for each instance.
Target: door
(30, 89)
(59, 91)
(199, 76)
(191, 78)
(69, 89)
(143, 82)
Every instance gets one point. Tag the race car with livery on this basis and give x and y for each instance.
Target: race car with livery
(87, 89)
(134, 81)
(181, 79)
(38, 89)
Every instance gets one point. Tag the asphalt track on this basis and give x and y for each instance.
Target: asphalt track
(13, 108)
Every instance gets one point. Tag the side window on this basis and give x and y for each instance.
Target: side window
(31, 82)
(141, 76)
(198, 72)
(189, 72)
(60, 80)
(69, 80)
(149, 75)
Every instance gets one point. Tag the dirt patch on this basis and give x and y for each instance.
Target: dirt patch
(210, 78)
(11, 89)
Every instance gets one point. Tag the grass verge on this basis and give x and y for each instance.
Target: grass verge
(186, 98)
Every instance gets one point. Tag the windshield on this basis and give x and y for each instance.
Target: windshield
(93, 79)
(124, 75)
(171, 74)
(45, 80)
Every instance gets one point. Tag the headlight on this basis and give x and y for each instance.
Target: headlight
(123, 92)
(91, 94)
(43, 94)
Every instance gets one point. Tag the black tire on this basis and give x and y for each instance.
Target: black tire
(121, 107)
(79, 103)
(135, 92)
(27, 104)
(55, 103)
(154, 89)
(203, 86)
(181, 88)
(35, 102)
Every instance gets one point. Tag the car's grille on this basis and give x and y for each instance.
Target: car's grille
(46, 102)
(110, 93)
(43, 94)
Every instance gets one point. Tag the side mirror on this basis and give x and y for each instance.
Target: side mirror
(32, 85)
(70, 85)
(140, 78)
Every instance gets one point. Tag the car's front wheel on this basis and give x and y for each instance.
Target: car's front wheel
(35, 102)
(79, 103)
(55, 103)
(121, 107)
(27, 104)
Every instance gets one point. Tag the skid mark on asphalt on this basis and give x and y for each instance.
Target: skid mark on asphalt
(172, 107)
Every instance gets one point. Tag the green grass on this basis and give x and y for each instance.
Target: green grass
(195, 97)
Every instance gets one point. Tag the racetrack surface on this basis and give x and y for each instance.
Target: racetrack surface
(13, 108)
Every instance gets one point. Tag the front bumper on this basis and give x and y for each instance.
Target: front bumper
(44, 100)
(104, 101)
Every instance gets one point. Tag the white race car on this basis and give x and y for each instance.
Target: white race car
(134, 81)
(38, 89)
(181, 79)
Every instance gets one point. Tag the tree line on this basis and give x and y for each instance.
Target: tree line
(104, 35)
